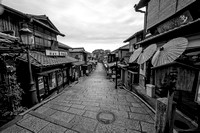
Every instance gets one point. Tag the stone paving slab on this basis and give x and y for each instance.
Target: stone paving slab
(53, 128)
(76, 110)
(15, 129)
(33, 123)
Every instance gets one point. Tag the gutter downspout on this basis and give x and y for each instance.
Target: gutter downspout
(145, 19)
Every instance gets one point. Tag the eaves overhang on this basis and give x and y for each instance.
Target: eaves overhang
(37, 21)
(183, 30)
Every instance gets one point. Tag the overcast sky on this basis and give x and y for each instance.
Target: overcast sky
(92, 24)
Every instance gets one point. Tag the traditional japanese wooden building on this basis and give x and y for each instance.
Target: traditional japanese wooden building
(172, 25)
(51, 65)
(81, 55)
(133, 73)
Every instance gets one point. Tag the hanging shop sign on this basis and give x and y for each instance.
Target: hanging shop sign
(175, 22)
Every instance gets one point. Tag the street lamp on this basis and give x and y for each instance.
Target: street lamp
(26, 37)
(116, 59)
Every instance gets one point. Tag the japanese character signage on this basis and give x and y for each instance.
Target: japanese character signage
(175, 22)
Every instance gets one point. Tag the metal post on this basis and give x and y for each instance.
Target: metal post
(32, 90)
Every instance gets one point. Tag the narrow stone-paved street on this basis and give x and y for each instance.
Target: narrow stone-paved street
(78, 107)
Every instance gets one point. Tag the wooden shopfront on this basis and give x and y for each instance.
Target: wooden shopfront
(49, 77)
(51, 81)
(187, 66)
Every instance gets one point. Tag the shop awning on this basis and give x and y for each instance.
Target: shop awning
(41, 60)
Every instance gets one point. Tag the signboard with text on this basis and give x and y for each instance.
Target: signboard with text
(175, 22)
(55, 53)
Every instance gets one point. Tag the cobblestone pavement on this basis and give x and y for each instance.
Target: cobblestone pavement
(78, 108)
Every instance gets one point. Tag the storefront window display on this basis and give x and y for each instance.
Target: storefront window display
(52, 80)
(65, 76)
(41, 86)
(60, 78)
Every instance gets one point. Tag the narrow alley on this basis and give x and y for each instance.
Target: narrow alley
(91, 105)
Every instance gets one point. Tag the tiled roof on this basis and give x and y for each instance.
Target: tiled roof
(40, 60)
(63, 45)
